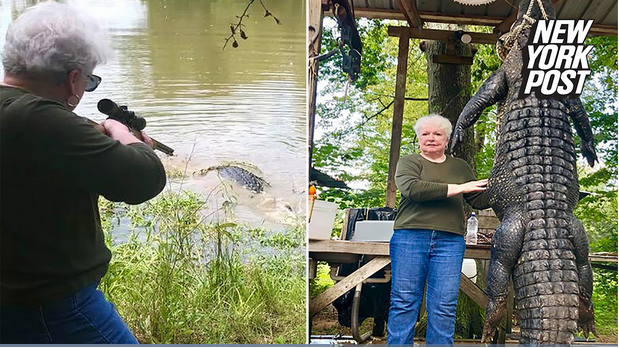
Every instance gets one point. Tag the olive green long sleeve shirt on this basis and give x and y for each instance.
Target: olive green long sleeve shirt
(54, 166)
(424, 203)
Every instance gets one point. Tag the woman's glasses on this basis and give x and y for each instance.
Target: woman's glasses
(93, 83)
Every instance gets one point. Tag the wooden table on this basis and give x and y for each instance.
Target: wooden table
(345, 251)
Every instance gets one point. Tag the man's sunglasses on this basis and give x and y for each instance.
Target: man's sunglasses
(93, 83)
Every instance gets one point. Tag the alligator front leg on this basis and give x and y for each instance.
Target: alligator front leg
(583, 128)
(586, 321)
(492, 91)
(506, 246)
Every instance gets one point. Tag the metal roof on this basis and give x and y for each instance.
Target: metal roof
(603, 12)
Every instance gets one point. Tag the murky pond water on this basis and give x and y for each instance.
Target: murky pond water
(210, 105)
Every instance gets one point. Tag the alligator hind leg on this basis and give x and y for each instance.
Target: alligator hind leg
(506, 246)
(585, 279)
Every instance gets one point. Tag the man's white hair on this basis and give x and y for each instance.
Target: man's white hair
(54, 38)
(436, 120)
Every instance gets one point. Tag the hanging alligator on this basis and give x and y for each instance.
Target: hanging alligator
(533, 188)
(244, 174)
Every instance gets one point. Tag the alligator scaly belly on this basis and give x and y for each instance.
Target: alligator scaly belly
(537, 149)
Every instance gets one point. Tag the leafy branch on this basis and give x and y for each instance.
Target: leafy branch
(238, 28)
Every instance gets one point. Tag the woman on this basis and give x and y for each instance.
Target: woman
(428, 239)
(54, 167)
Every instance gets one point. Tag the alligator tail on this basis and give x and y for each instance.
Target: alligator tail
(546, 278)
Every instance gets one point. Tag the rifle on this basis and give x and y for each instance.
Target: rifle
(129, 119)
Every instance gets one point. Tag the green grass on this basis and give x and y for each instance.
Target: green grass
(322, 281)
(186, 277)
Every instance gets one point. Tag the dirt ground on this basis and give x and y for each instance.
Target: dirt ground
(325, 323)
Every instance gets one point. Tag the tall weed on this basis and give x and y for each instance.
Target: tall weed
(185, 276)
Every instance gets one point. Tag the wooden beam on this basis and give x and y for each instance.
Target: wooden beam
(398, 116)
(500, 23)
(473, 291)
(479, 251)
(598, 30)
(378, 13)
(442, 35)
(321, 247)
(410, 12)
(326, 298)
(603, 258)
(347, 246)
(459, 19)
(506, 24)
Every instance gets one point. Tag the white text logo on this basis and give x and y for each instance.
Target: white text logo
(555, 59)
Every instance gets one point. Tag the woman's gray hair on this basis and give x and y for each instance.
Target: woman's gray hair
(434, 119)
(54, 38)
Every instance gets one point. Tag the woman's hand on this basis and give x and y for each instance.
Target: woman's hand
(147, 140)
(467, 187)
(118, 131)
(122, 133)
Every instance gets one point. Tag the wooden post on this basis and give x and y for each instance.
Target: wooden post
(398, 114)
(313, 268)
(315, 14)
(510, 308)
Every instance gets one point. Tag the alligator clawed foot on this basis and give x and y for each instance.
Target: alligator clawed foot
(494, 314)
(586, 324)
(586, 321)
(588, 151)
(587, 327)
(457, 138)
(488, 333)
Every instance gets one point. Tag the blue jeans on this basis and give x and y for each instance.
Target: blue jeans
(85, 317)
(418, 256)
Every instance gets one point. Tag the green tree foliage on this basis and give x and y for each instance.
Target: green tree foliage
(485, 63)
(598, 212)
(355, 116)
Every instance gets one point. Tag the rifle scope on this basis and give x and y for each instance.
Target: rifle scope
(121, 114)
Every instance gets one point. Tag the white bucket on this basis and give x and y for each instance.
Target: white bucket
(323, 217)
(469, 268)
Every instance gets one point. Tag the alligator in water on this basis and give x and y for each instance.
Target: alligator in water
(239, 173)
(533, 188)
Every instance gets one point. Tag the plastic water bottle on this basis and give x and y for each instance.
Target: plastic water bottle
(471, 230)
